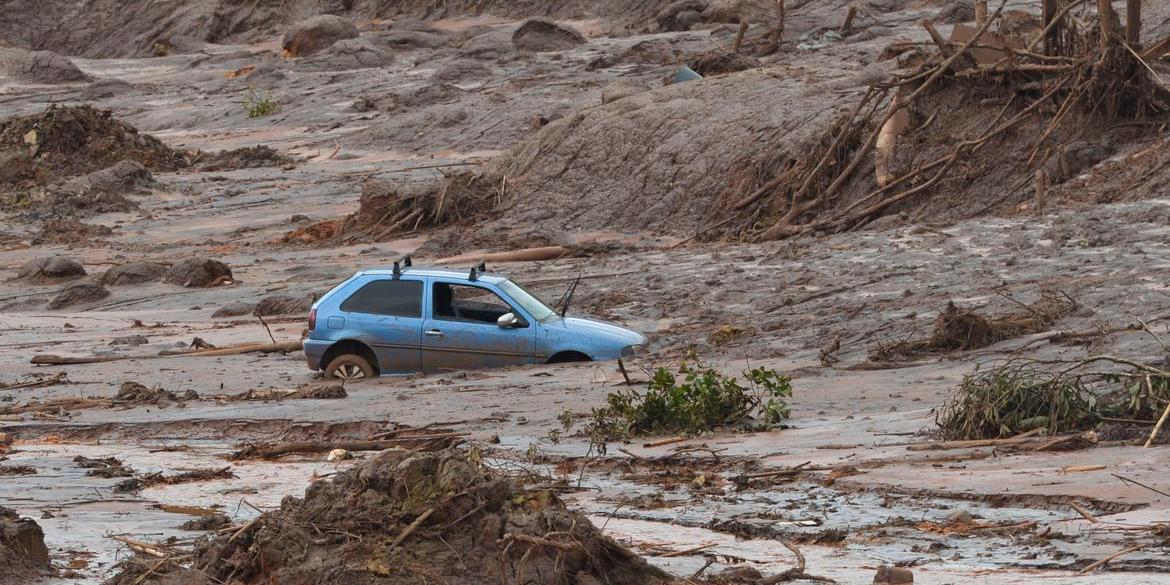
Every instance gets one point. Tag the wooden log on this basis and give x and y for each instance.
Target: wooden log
(273, 451)
(743, 26)
(58, 360)
(1105, 18)
(981, 11)
(1157, 49)
(847, 26)
(1158, 426)
(1133, 22)
(1049, 34)
(525, 255)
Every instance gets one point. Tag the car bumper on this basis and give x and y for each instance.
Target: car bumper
(314, 350)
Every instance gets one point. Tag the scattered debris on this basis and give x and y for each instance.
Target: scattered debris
(107, 467)
(141, 482)
(207, 523)
(406, 516)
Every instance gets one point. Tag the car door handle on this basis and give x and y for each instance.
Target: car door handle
(433, 333)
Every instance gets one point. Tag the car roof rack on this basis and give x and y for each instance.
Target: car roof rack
(405, 262)
(476, 270)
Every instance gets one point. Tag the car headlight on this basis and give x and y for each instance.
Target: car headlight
(632, 350)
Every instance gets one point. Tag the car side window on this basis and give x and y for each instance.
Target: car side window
(395, 298)
(460, 302)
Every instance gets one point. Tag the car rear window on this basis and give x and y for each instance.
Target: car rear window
(397, 298)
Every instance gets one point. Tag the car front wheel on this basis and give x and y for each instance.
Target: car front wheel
(349, 368)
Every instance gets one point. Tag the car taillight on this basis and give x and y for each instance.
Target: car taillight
(312, 319)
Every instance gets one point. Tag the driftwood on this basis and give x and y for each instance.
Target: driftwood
(59, 360)
(273, 451)
(525, 255)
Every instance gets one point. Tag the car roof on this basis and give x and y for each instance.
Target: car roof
(455, 273)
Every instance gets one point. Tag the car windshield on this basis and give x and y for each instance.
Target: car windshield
(525, 299)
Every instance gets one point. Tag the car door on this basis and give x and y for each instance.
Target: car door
(460, 330)
(386, 314)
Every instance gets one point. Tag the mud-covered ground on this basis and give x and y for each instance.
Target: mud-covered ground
(453, 93)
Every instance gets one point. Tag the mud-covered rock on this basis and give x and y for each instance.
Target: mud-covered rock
(41, 67)
(249, 157)
(316, 34)
(207, 523)
(24, 558)
(107, 88)
(542, 34)
(51, 269)
(70, 231)
(135, 273)
(467, 525)
(409, 39)
(350, 54)
(282, 305)
(101, 191)
(80, 293)
(681, 15)
(199, 273)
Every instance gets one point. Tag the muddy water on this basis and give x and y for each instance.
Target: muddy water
(79, 513)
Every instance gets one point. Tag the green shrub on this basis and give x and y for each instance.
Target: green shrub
(696, 400)
(259, 103)
(1013, 398)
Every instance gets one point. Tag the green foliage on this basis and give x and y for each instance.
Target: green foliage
(698, 399)
(259, 103)
(1142, 397)
(1014, 398)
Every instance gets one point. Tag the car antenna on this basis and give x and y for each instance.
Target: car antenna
(405, 262)
(569, 295)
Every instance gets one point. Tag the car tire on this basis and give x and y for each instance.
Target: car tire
(349, 368)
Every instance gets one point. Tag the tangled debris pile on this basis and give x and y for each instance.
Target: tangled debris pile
(958, 329)
(387, 209)
(411, 517)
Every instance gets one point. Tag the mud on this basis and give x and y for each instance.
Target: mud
(431, 133)
(25, 559)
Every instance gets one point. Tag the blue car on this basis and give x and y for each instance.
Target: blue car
(406, 319)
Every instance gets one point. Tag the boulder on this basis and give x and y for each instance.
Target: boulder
(315, 34)
(42, 67)
(681, 15)
(23, 554)
(51, 269)
(76, 294)
(542, 34)
(199, 273)
(351, 54)
(283, 305)
(135, 273)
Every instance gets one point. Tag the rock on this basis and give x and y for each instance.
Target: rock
(101, 191)
(107, 88)
(283, 305)
(233, 310)
(23, 554)
(42, 67)
(493, 44)
(339, 455)
(681, 15)
(893, 576)
(85, 292)
(542, 34)
(315, 34)
(620, 89)
(409, 39)
(959, 516)
(131, 340)
(135, 273)
(205, 523)
(52, 269)
(736, 11)
(199, 273)
(351, 54)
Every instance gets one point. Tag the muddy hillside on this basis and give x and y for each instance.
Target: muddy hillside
(655, 291)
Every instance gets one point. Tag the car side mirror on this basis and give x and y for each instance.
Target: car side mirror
(507, 320)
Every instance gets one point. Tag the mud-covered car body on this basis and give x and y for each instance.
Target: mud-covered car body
(431, 319)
